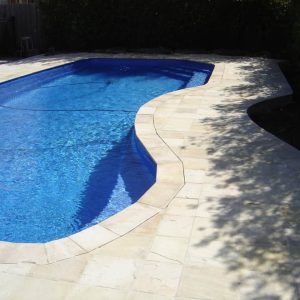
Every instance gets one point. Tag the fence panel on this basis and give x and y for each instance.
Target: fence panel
(25, 20)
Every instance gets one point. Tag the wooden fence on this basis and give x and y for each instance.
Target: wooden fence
(17, 21)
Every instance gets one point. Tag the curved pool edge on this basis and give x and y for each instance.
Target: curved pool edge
(148, 121)
(169, 181)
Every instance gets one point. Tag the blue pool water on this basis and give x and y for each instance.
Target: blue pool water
(68, 154)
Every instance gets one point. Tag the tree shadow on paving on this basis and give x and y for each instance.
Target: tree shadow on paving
(255, 201)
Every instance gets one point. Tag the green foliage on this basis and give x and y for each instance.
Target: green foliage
(251, 25)
(294, 48)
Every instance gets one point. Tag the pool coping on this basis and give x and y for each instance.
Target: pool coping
(170, 170)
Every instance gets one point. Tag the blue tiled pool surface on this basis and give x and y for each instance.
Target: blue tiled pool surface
(69, 157)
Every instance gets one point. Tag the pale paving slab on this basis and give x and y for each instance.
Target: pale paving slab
(63, 249)
(66, 270)
(174, 143)
(168, 249)
(207, 281)
(152, 142)
(208, 243)
(166, 172)
(12, 253)
(183, 207)
(190, 190)
(177, 124)
(80, 292)
(160, 155)
(228, 162)
(147, 296)
(161, 194)
(93, 237)
(158, 278)
(130, 218)
(13, 287)
(196, 163)
(17, 269)
(110, 272)
(132, 244)
(150, 226)
(175, 226)
(194, 176)
(198, 298)
(190, 151)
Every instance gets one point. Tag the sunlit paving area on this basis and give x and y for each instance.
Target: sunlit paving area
(220, 222)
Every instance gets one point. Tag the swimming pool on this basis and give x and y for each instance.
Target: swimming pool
(69, 157)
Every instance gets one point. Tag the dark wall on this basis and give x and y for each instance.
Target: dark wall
(252, 25)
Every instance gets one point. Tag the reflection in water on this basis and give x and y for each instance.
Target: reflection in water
(118, 180)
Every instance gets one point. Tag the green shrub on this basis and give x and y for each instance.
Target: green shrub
(295, 34)
(249, 25)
